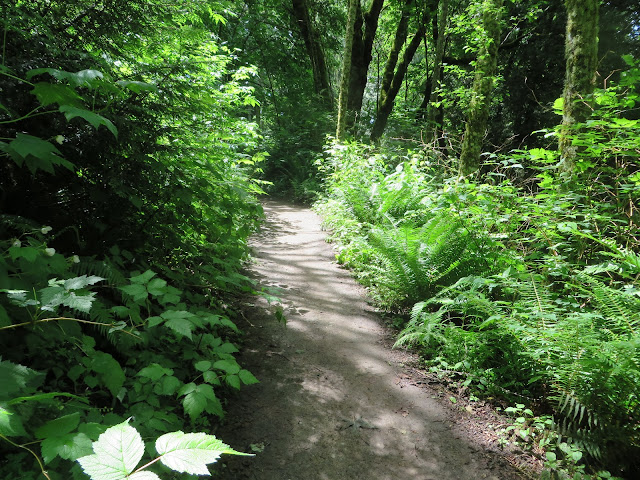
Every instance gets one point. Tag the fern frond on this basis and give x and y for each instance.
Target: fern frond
(424, 329)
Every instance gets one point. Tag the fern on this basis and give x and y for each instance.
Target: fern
(424, 328)
(415, 262)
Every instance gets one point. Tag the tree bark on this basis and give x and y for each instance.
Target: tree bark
(363, 36)
(486, 65)
(346, 71)
(581, 53)
(313, 45)
(392, 82)
(432, 109)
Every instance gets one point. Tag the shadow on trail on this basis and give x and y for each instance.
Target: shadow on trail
(332, 403)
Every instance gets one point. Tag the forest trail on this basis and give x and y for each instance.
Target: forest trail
(335, 402)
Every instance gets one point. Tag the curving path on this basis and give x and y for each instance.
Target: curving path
(334, 402)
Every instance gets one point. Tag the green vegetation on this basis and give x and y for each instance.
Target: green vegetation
(526, 289)
(136, 137)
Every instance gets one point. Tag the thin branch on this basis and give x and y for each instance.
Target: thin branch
(44, 472)
(53, 319)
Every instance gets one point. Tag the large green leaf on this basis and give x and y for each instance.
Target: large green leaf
(11, 424)
(179, 321)
(14, 378)
(154, 372)
(86, 78)
(191, 452)
(59, 426)
(69, 446)
(77, 283)
(71, 112)
(109, 370)
(38, 154)
(50, 93)
(116, 454)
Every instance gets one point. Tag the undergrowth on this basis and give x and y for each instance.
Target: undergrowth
(526, 285)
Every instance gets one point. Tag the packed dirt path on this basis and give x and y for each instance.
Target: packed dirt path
(334, 401)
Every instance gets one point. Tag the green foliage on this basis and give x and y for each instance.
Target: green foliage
(119, 271)
(529, 294)
(120, 448)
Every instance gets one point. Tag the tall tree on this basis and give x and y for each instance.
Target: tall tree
(436, 73)
(364, 32)
(581, 53)
(346, 71)
(392, 77)
(314, 48)
(485, 70)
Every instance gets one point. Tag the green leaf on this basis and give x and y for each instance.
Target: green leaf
(153, 321)
(59, 426)
(168, 386)
(178, 321)
(10, 424)
(50, 93)
(227, 348)
(77, 283)
(28, 253)
(154, 372)
(36, 153)
(157, 286)
(233, 381)
(194, 404)
(68, 446)
(247, 377)
(93, 118)
(203, 365)
(81, 303)
(138, 292)
(230, 367)
(137, 87)
(116, 454)
(191, 452)
(14, 378)
(109, 369)
(82, 78)
(143, 278)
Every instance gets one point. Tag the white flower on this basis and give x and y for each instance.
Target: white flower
(16, 243)
(50, 251)
(46, 230)
(75, 259)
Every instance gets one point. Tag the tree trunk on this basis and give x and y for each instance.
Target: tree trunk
(432, 109)
(346, 71)
(391, 87)
(581, 53)
(481, 90)
(313, 45)
(364, 34)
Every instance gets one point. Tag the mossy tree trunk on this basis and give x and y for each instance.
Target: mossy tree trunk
(483, 81)
(341, 128)
(581, 53)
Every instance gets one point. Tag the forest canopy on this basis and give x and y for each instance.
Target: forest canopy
(475, 160)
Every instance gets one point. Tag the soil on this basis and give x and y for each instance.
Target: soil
(335, 401)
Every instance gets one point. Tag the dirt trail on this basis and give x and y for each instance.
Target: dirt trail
(334, 401)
